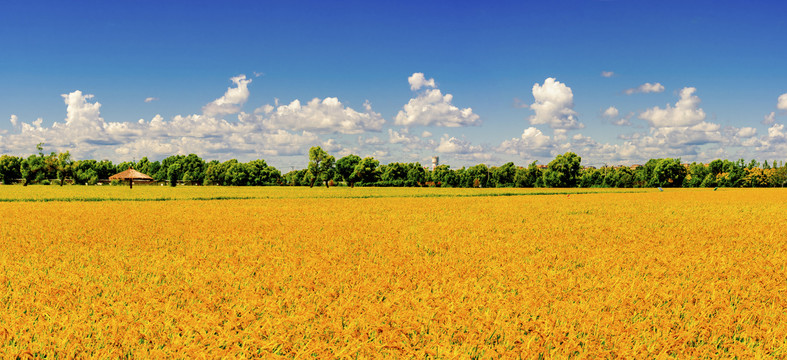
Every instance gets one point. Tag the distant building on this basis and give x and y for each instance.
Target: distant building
(435, 162)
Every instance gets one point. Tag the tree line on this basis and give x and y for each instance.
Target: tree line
(324, 170)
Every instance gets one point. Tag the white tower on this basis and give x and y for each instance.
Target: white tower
(435, 162)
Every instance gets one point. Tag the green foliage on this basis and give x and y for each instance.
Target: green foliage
(320, 165)
(503, 176)
(563, 171)
(366, 171)
(668, 173)
(474, 176)
(10, 168)
(345, 168)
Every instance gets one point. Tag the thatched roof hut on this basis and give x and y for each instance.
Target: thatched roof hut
(131, 175)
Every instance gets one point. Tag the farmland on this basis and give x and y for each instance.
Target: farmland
(208, 272)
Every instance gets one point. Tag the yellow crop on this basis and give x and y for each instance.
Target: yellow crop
(437, 273)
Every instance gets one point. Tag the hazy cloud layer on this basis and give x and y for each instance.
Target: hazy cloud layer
(223, 130)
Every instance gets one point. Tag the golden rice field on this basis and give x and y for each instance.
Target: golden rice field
(210, 272)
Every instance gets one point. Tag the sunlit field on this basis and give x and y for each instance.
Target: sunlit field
(163, 193)
(211, 272)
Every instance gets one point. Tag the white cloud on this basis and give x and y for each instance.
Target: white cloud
(769, 119)
(418, 80)
(621, 122)
(374, 140)
(401, 137)
(324, 116)
(746, 132)
(532, 143)
(232, 100)
(645, 88)
(83, 120)
(150, 99)
(426, 134)
(685, 113)
(14, 120)
(554, 105)
(87, 135)
(607, 74)
(611, 112)
(776, 131)
(772, 145)
(432, 108)
(782, 102)
(452, 145)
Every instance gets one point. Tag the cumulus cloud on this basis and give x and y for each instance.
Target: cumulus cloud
(607, 74)
(374, 140)
(14, 120)
(746, 132)
(232, 100)
(85, 133)
(645, 88)
(781, 103)
(452, 145)
(150, 99)
(532, 143)
(611, 112)
(432, 108)
(418, 80)
(426, 134)
(685, 113)
(769, 119)
(554, 105)
(776, 131)
(328, 115)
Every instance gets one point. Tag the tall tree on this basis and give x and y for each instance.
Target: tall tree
(563, 171)
(320, 165)
(346, 166)
(366, 171)
(10, 168)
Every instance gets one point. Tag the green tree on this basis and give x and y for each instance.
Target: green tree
(173, 174)
(443, 176)
(260, 173)
(590, 178)
(416, 174)
(366, 171)
(475, 176)
(393, 172)
(320, 165)
(503, 176)
(563, 171)
(10, 168)
(346, 166)
(64, 167)
(669, 173)
(696, 175)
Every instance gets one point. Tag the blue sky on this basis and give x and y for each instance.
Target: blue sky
(698, 80)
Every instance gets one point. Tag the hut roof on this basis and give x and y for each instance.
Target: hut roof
(130, 174)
